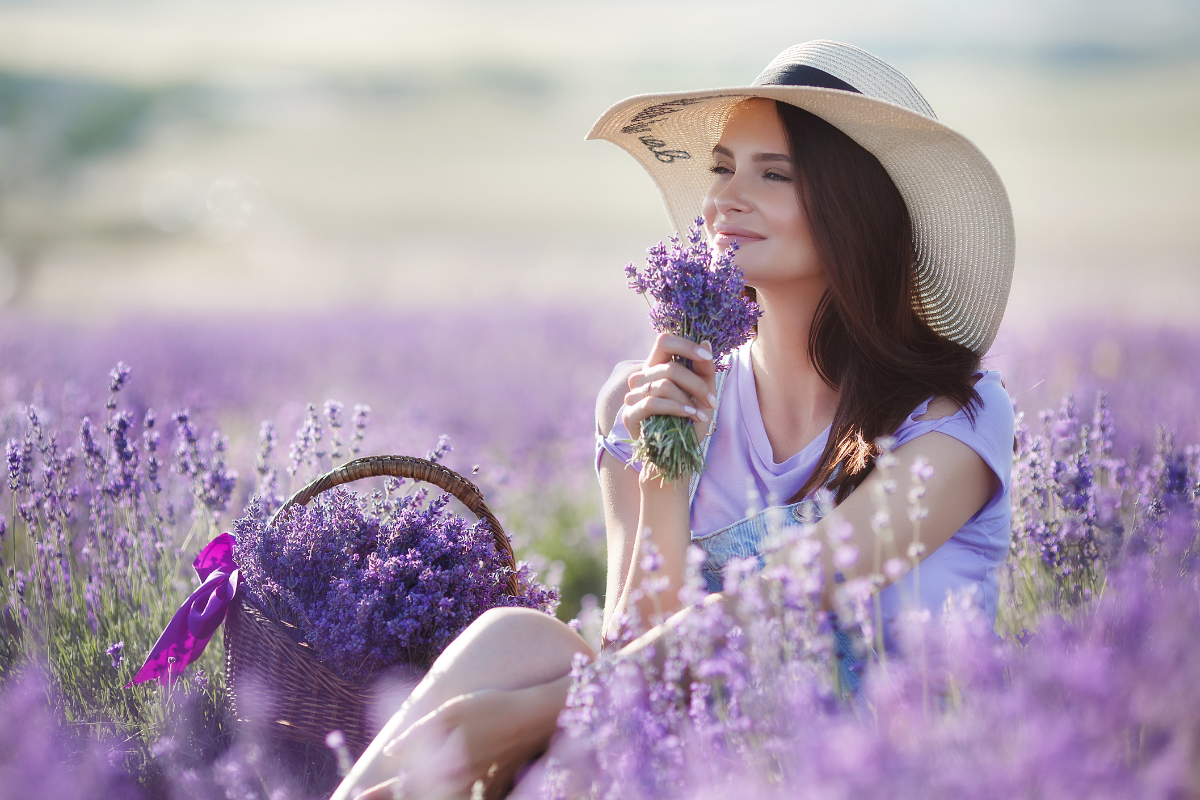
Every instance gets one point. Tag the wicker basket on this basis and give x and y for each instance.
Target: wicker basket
(276, 683)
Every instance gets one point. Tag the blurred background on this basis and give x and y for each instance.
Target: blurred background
(186, 158)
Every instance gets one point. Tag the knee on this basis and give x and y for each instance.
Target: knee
(525, 629)
(511, 621)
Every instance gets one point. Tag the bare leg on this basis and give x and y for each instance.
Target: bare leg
(506, 648)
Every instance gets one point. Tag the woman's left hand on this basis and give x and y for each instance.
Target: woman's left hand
(486, 735)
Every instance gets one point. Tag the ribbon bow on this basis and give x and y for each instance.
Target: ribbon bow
(195, 622)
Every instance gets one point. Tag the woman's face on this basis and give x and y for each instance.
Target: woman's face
(753, 199)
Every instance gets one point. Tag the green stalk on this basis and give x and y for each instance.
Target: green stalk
(671, 445)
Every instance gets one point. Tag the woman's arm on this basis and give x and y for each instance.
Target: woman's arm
(636, 503)
(619, 493)
(962, 483)
(960, 486)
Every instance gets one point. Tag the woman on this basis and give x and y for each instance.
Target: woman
(879, 245)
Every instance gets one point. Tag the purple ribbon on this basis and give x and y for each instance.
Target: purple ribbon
(195, 622)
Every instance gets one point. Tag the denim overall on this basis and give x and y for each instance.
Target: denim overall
(745, 539)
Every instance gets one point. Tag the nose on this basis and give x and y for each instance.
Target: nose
(725, 196)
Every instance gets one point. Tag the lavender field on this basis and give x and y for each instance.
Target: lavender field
(110, 491)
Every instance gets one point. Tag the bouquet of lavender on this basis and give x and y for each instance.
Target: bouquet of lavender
(700, 295)
(379, 580)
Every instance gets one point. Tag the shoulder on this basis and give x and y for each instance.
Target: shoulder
(988, 429)
(994, 414)
(612, 394)
(938, 408)
(994, 402)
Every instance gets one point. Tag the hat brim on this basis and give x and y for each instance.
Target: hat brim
(962, 219)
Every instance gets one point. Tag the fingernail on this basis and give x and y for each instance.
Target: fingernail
(704, 353)
(712, 400)
(689, 410)
(703, 417)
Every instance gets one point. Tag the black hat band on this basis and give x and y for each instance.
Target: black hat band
(803, 75)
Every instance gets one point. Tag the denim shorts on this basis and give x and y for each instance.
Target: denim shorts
(746, 539)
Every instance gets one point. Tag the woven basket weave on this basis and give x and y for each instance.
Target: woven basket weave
(276, 683)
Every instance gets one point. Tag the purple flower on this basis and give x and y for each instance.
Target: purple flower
(217, 480)
(118, 377)
(921, 470)
(15, 459)
(150, 442)
(333, 413)
(187, 456)
(362, 417)
(93, 456)
(305, 450)
(1064, 431)
(698, 294)
(116, 652)
(212, 481)
(264, 466)
(440, 449)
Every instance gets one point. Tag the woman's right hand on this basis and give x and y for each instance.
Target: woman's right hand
(665, 386)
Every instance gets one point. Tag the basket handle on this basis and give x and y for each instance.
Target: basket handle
(419, 469)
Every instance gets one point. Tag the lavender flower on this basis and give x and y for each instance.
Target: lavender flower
(306, 449)
(150, 443)
(440, 449)
(333, 413)
(264, 466)
(701, 296)
(15, 460)
(217, 480)
(122, 478)
(362, 417)
(212, 481)
(94, 458)
(116, 652)
(187, 452)
(119, 377)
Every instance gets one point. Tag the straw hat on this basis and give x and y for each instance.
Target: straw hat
(961, 216)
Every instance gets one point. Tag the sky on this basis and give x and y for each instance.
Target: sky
(158, 40)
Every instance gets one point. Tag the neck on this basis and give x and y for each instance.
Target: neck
(796, 403)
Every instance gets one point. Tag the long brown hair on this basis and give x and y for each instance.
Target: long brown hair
(867, 338)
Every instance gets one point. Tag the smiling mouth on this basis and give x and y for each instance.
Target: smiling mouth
(742, 238)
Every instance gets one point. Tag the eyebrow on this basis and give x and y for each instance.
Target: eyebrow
(758, 157)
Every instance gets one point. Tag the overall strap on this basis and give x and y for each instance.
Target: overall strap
(712, 427)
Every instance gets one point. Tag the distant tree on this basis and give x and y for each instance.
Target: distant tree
(50, 128)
